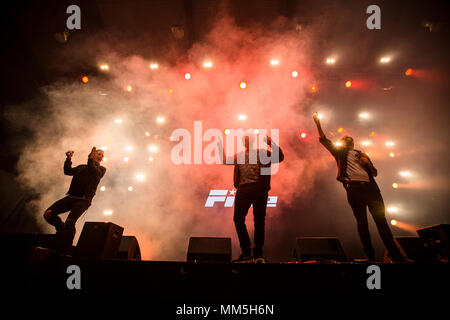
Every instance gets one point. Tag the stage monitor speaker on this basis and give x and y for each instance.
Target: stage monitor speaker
(318, 249)
(99, 240)
(411, 247)
(209, 249)
(437, 239)
(129, 249)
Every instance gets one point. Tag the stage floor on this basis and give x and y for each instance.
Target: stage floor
(45, 271)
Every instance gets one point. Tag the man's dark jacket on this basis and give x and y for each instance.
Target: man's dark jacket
(86, 178)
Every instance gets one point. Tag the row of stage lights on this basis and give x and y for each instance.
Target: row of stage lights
(243, 85)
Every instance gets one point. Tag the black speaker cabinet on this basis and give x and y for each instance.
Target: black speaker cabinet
(99, 240)
(411, 247)
(212, 249)
(437, 239)
(129, 249)
(318, 249)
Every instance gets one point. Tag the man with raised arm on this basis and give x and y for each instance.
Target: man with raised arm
(86, 178)
(252, 181)
(356, 172)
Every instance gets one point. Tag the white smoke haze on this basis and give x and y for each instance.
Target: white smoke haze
(167, 207)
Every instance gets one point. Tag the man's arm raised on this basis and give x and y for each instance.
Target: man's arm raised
(322, 138)
(68, 170)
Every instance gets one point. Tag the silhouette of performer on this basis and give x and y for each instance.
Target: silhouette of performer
(86, 178)
(356, 172)
(253, 185)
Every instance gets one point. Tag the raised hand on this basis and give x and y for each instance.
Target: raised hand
(316, 117)
(93, 153)
(69, 154)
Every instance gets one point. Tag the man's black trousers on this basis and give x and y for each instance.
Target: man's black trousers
(247, 195)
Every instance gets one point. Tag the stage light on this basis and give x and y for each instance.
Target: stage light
(340, 130)
(227, 131)
(207, 64)
(389, 143)
(391, 154)
(405, 174)
(171, 138)
(147, 134)
(366, 143)
(338, 144)
(319, 115)
(104, 67)
(331, 60)
(126, 159)
(154, 66)
(84, 79)
(140, 177)
(294, 74)
(170, 90)
(243, 85)
(128, 148)
(409, 72)
(274, 62)
(302, 135)
(118, 121)
(130, 188)
(104, 159)
(150, 159)
(242, 117)
(395, 185)
(348, 84)
(392, 209)
(364, 115)
(394, 222)
(129, 88)
(107, 212)
(313, 88)
(187, 75)
(153, 148)
(102, 188)
(104, 148)
(160, 119)
(256, 131)
(372, 134)
(385, 59)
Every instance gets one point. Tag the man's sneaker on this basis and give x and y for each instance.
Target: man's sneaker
(260, 260)
(243, 258)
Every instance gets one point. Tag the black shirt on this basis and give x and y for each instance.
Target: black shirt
(85, 178)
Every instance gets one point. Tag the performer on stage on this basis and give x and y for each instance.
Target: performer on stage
(356, 172)
(79, 197)
(253, 184)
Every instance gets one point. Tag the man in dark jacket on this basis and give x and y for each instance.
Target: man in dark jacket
(252, 181)
(86, 178)
(356, 172)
